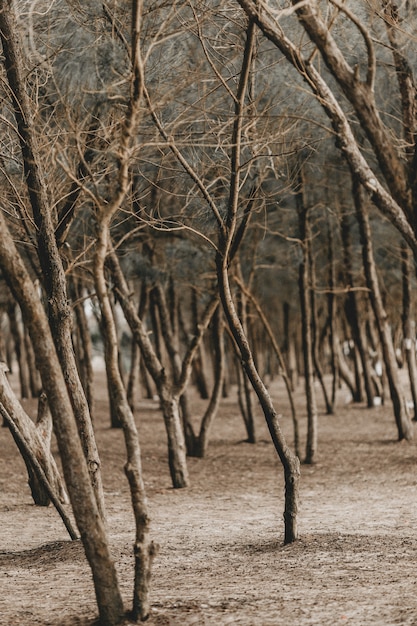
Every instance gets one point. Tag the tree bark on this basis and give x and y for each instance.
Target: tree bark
(206, 423)
(404, 426)
(394, 204)
(409, 327)
(20, 350)
(85, 349)
(306, 321)
(144, 549)
(82, 496)
(356, 322)
(53, 273)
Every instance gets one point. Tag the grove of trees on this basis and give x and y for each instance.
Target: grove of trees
(208, 194)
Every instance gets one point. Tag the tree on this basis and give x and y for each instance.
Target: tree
(231, 228)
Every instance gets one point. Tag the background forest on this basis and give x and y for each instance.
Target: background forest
(202, 198)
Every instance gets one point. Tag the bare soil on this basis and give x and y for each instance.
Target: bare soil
(222, 560)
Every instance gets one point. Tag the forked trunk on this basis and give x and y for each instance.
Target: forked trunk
(143, 549)
(83, 500)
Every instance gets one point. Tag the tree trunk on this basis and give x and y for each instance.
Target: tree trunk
(289, 461)
(199, 361)
(210, 413)
(169, 402)
(34, 378)
(304, 283)
(82, 496)
(289, 347)
(409, 327)
(86, 348)
(144, 549)
(246, 400)
(332, 313)
(282, 368)
(404, 426)
(20, 351)
(36, 441)
(363, 374)
(50, 260)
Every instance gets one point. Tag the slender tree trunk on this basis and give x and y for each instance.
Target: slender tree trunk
(210, 413)
(404, 426)
(304, 284)
(144, 549)
(169, 401)
(289, 461)
(315, 323)
(289, 347)
(332, 312)
(282, 368)
(34, 378)
(20, 351)
(169, 333)
(86, 348)
(199, 361)
(133, 380)
(354, 315)
(246, 391)
(409, 327)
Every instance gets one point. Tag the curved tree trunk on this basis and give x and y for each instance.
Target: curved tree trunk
(50, 260)
(210, 413)
(144, 549)
(404, 426)
(289, 461)
(82, 496)
(169, 401)
(332, 313)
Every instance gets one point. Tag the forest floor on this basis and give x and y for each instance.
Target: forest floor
(222, 560)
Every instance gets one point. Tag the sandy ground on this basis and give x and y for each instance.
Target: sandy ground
(222, 559)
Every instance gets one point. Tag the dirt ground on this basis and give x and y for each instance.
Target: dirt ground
(222, 559)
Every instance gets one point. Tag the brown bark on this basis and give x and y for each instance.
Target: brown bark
(409, 326)
(213, 405)
(35, 440)
(404, 426)
(169, 392)
(361, 95)
(282, 367)
(395, 205)
(332, 313)
(85, 349)
(76, 474)
(355, 317)
(315, 325)
(34, 378)
(306, 322)
(53, 273)
(246, 396)
(20, 350)
(144, 549)
(199, 361)
(227, 231)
